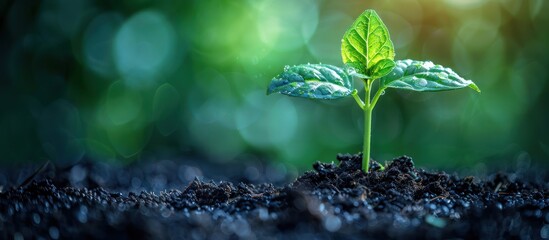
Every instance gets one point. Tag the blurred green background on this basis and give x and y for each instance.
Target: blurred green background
(121, 81)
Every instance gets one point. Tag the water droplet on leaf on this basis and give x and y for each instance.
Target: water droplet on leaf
(421, 82)
(351, 70)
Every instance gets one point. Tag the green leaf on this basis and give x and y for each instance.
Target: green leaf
(317, 81)
(424, 76)
(356, 69)
(382, 68)
(367, 42)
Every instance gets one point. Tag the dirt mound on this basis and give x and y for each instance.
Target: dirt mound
(333, 201)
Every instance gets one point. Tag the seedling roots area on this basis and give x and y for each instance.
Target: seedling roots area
(335, 201)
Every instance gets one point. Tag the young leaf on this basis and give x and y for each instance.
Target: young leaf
(424, 76)
(382, 68)
(317, 81)
(356, 69)
(367, 42)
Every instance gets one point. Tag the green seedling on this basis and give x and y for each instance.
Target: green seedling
(368, 54)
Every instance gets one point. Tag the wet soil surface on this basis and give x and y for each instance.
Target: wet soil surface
(335, 201)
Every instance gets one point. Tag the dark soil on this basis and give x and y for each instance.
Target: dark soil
(335, 201)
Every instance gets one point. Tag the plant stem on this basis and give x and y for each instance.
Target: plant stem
(357, 99)
(367, 127)
(376, 97)
(367, 137)
(367, 107)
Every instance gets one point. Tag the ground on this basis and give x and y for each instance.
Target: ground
(334, 201)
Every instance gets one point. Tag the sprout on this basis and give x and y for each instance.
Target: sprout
(368, 54)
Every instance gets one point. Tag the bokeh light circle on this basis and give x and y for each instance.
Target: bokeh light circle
(122, 104)
(274, 126)
(97, 45)
(144, 47)
(287, 24)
